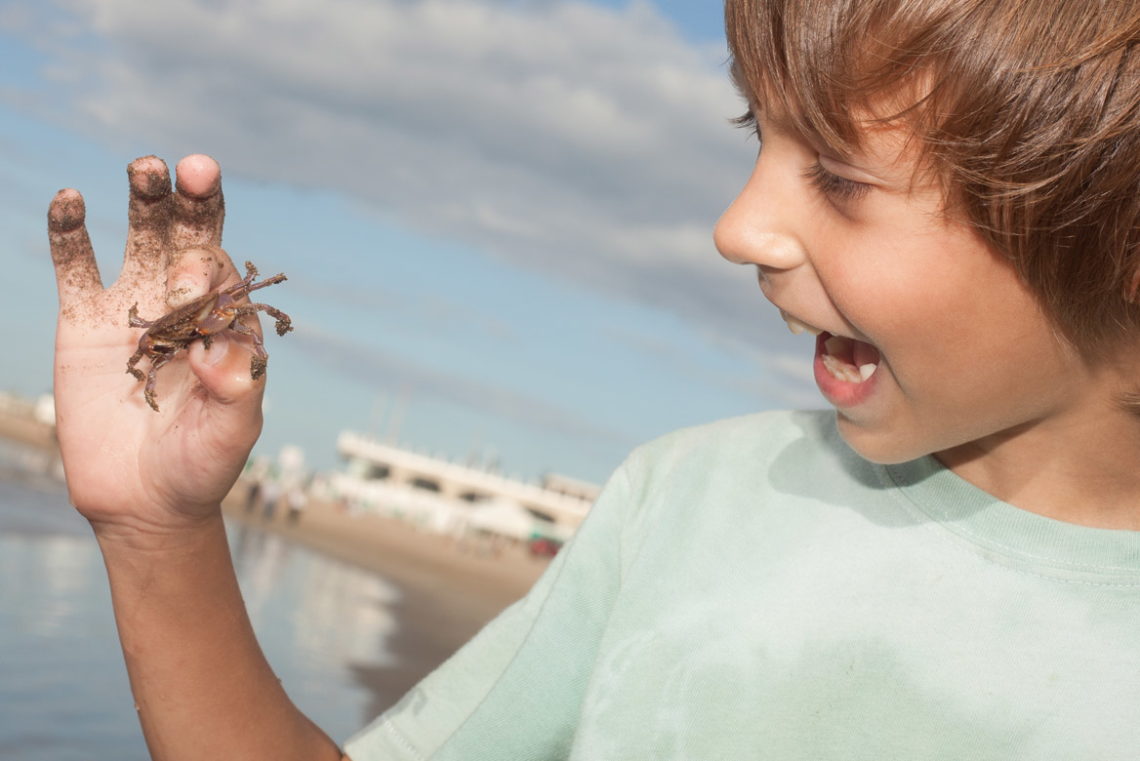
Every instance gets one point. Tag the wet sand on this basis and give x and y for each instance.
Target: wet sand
(450, 588)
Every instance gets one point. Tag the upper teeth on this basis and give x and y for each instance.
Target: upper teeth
(798, 327)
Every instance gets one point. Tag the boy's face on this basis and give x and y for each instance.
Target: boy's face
(953, 347)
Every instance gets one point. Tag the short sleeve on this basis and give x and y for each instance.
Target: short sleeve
(515, 690)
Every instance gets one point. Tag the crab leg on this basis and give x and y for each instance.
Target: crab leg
(244, 283)
(284, 323)
(260, 358)
(134, 360)
(278, 278)
(135, 321)
(152, 378)
(258, 344)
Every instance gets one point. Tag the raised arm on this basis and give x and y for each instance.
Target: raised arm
(151, 482)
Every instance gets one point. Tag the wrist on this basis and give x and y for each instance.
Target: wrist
(135, 535)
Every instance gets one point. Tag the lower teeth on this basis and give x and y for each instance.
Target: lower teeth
(846, 372)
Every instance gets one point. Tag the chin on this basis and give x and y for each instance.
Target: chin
(881, 447)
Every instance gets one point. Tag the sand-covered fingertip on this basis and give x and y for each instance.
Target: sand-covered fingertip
(149, 178)
(67, 211)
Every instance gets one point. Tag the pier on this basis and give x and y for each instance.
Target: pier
(556, 498)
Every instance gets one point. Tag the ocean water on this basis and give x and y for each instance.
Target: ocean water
(64, 694)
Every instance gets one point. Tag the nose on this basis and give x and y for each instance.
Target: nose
(757, 228)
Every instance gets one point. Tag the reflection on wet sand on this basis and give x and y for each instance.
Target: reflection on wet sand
(434, 594)
(350, 615)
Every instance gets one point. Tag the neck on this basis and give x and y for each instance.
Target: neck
(1079, 468)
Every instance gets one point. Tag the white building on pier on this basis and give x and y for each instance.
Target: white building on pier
(454, 498)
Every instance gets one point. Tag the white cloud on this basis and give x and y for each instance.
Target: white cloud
(588, 142)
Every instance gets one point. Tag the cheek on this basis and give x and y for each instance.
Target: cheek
(893, 302)
(933, 283)
(973, 341)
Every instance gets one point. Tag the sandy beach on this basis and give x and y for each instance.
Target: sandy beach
(450, 588)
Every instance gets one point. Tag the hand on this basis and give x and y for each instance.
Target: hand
(132, 470)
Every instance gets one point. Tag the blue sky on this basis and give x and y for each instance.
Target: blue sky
(495, 215)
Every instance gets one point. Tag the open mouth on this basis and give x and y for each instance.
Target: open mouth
(847, 359)
(844, 359)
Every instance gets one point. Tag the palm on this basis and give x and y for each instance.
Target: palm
(126, 463)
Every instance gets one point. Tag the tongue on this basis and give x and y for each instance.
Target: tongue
(852, 352)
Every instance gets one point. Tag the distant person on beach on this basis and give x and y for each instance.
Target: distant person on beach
(295, 499)
(270, 495)
(946, 566)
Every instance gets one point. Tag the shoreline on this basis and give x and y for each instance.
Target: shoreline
(450, 588)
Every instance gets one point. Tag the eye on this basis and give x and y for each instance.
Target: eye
(833, 186)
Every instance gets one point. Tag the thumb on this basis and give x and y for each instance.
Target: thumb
(226, 370)
(229, 420)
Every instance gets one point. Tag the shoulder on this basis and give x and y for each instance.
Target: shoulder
(741, 440)
(733, 455)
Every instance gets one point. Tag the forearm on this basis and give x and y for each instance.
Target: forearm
(202, 686)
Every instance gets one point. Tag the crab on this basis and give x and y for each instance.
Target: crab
(202, 319)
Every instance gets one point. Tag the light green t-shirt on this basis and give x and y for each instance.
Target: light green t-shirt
(752, 589)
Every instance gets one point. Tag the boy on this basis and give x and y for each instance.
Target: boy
(947, 567)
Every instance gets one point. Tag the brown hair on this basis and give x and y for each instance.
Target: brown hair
(1028, 110)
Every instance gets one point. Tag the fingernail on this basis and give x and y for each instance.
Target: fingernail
(198, 175)
(217, 351)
